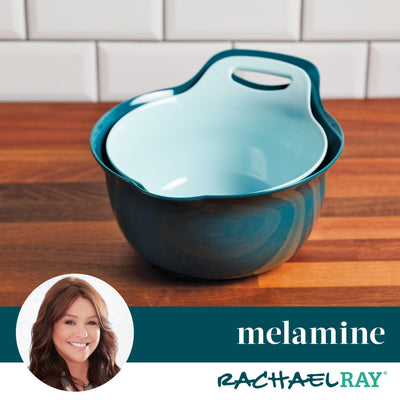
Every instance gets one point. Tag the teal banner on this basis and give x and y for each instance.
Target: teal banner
(251, 334)
(279, 334)
(8, 342)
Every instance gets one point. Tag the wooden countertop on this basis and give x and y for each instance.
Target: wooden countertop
(55, 218)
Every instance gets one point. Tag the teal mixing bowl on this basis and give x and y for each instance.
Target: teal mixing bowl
(216, 235)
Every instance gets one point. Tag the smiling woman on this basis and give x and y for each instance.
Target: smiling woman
(73, 347)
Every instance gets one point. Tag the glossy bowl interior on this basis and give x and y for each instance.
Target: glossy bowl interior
(218, 237)
(222, 137)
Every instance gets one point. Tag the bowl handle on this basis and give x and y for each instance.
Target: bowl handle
(218, 80)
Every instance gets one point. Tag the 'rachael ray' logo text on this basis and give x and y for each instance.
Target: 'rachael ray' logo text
(280, 380)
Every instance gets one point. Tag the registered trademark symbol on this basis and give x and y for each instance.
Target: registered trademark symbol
(385, 373)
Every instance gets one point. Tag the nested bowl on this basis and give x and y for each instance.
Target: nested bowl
(218, 235)
(222, 136)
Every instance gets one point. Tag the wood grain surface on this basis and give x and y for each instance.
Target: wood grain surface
(55, 218)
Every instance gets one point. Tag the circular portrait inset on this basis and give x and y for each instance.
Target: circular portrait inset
(74, 332)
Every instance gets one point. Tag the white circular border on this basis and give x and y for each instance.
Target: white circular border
(119, 316)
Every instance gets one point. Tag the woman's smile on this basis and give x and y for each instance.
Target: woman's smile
(80, 345)
(77, 333)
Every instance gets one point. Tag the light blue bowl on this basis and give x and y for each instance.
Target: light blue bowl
(218, 236)
(222, 136)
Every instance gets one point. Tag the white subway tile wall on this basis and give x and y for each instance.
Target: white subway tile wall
(95, 19)
(12, 19)
(48, 71)
(383, 80)
(129, 69)
(351, 19)
(101, 50)
(233, 19)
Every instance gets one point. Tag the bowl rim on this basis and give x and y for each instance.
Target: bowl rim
(107, 121)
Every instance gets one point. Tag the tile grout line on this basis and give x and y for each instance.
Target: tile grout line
(195, 41)
(26, 19)
(163, 21)
(301, 20)
(367, 69)
(97, 71)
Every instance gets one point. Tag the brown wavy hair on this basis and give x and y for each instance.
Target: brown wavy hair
(45, 362)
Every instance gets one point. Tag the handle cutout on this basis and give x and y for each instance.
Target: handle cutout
(260, 80)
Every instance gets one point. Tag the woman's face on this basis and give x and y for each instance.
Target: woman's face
(77, 334)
